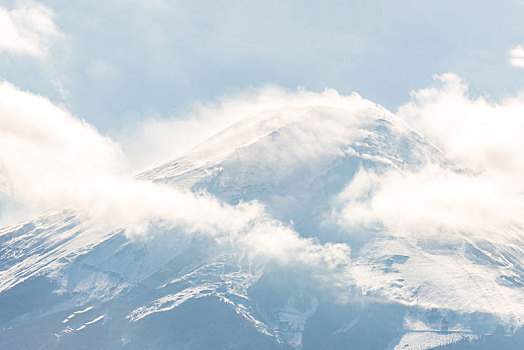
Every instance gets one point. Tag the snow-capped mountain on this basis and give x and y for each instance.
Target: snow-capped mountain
(327, 283)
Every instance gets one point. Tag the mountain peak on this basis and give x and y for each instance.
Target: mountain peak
(272, 275)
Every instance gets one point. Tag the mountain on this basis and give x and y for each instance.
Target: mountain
(69, 282)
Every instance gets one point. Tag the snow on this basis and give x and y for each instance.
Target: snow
(380, 287)
(430, 340)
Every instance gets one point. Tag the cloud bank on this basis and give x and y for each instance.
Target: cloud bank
(28, 29)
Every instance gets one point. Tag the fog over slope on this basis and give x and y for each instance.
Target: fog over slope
(301, 220)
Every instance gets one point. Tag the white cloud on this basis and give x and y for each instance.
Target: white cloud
(433, 201)
(28, 29)
(46, 153)
(49, 158)
(433, 214)
(157, 139)
(484, 189)
(516, 56)
(476, 133)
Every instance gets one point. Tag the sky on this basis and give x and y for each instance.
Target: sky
(116, 63)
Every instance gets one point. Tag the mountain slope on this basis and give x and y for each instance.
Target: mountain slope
(67, 282)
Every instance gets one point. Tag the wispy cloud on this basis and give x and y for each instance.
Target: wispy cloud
(516, 56)
(157, 139)
(28, 29)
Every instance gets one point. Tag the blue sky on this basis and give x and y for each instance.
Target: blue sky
(116, 62)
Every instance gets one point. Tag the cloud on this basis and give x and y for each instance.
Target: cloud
(46, 153)
(477, 134)
(433, 201)
(157, 139)
(481, 191)
(459, 223)
(516, 56)
(28, 29)
(49, 158)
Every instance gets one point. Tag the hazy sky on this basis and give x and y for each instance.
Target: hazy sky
(115, 62)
